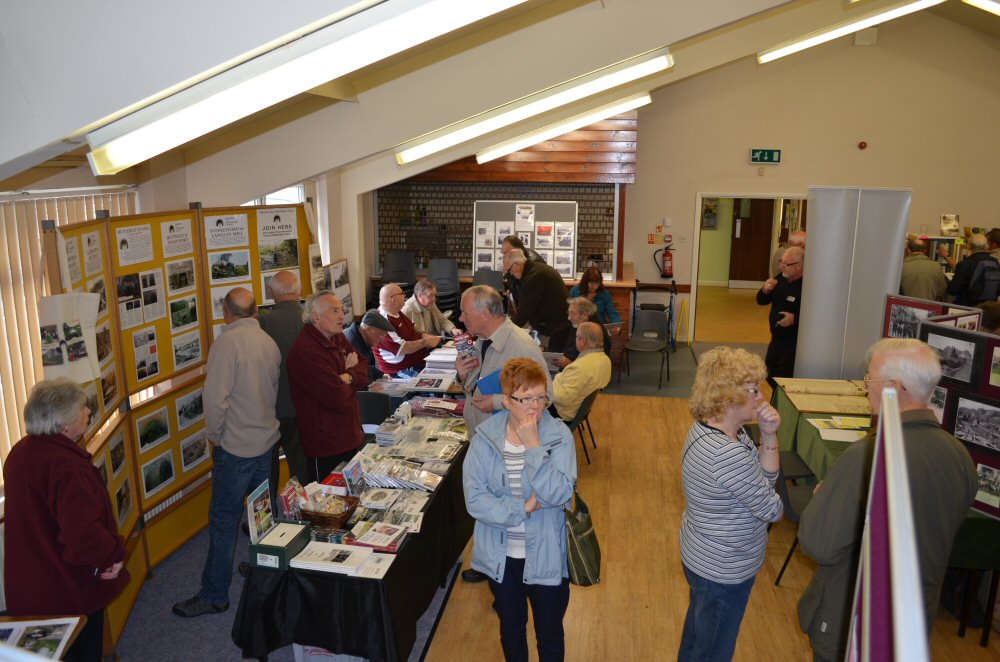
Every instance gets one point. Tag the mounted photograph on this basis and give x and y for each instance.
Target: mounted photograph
(152, 429)
(977, 422)
(189, 409)
(158, 473)
(960, 351)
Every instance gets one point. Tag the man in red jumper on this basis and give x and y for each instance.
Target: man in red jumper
(405, 350)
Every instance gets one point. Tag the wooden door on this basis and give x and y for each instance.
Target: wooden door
(750, 255)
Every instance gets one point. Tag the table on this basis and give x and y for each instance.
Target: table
(369, 618)
(797, 434)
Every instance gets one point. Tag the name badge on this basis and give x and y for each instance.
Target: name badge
(792, 299)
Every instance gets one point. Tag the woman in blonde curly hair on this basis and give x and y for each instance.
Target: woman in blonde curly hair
(730, 498)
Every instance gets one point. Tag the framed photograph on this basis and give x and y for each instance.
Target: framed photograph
(939, 402)
(710, 214)
(189, 409)
(116, 450)
(990, 386)
(158, 473)
(187, 349)
(976, 421)
(959, 320)
(987, 498)
(152, 429)
(903, 315)
(961, 353)
(194, 450)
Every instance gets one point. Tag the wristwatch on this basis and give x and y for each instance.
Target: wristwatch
(350, 378)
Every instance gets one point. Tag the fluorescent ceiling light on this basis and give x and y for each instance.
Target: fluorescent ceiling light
(571, 124)
(537, 103)
(348, 45)
(845, 28)
(992, 6)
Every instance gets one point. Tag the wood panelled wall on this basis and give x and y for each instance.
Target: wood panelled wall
(604, 153)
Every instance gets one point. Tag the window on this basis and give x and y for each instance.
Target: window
(291, 195)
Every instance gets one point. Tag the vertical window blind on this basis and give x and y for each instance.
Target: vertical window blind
(21, 286)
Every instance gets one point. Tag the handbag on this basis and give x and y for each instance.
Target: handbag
(583, 553)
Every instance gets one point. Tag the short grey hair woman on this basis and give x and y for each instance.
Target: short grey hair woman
(63, 551)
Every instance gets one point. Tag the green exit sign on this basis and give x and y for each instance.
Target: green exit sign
(765, 156)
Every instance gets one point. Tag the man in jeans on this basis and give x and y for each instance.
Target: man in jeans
(240, 422)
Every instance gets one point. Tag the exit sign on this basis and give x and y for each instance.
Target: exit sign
(765, 156)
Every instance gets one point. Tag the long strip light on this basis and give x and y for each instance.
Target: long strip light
(537, 103)
(992, 6)
(348, 45)
(558, 129)
(843, 29)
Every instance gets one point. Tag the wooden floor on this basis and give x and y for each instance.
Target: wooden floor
(725, 315)
(637, 611)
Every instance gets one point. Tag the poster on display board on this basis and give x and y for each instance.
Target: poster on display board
(68, 331)
(226, 231)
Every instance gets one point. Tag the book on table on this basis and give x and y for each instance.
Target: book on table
(331, 557)
(380, 536)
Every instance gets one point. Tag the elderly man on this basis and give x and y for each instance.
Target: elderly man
(589, 372)
(403, 350)
(422, 310)
(543, 299)
(240, 390)
(943, 484)
(581, 309)
(498, 341)
(367, 334)
(325, 375)
(283, 324)
(977, 277)
(797, 238)
(784, 295)
(922, 277)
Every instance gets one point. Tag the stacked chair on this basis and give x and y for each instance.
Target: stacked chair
(443, 272)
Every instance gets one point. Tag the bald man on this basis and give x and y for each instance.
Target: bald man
(784, 295)
(241, 386)
(797, 238)
(404, 350)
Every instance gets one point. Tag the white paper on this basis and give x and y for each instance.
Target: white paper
(565, 235)
(134, 243)
(146, 349)
(544, 236)
(226, 231)
(841, 435)
(154, 303)
(69, 336)
(376, 566)
(218, 296)
(486, 234)
(524, 218)
(277, 239)
(92, 258)
(73, 260)
(176, 238)
(318, 276)
(504, 230)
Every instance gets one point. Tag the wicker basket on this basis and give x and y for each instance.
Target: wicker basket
(335, 521)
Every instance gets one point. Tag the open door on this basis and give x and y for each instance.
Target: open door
(750, 257)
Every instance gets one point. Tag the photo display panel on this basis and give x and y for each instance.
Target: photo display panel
(548, 228)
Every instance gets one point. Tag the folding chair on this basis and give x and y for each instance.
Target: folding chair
(651, 333)
(794, 498)
(581, 422)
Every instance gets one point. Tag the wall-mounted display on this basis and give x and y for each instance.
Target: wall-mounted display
(961, 353)
(548, 228)
(158, 473)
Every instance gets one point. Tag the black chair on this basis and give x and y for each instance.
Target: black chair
(650, 334)
(977, 547)
(794, 498)
(375, 407)
(489, 277)
(399, 268)
(581, 421)
(443, 272)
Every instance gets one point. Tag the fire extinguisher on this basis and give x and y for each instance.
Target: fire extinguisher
(665, 261)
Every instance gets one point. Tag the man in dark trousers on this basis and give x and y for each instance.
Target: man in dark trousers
(543, 302)
(283, 324)
(784, 295)
(977, 277)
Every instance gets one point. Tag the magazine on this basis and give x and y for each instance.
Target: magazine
(331, 557)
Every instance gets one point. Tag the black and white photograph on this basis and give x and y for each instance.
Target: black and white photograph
(103, 336)
(904, 321)
(123, 501)
(339, 271)
(183, 313)
(101, 464)
(187, 349)
(977, 423)
(189, 409)
(960, 353)
(525, 238)
(116, 449)
(228, 266)
(158, 473)
(989, 485)
(97, 287)
(194, 450)
(109, 387)
(152, 429)
(938, 402)
(180, 276)
(485, 234)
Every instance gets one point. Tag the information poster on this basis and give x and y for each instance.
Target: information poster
(547, 228)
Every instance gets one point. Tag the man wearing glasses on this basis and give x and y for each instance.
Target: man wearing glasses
(784, 295)
(404, 350)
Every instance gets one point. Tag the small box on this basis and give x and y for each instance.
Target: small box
(280, 543)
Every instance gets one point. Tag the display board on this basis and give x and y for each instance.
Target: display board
(548, 228)
(246, 246)
(83, 250)
(159, 299)
(114, 458)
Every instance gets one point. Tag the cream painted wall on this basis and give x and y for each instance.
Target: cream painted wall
(714, 249)
(925, 98)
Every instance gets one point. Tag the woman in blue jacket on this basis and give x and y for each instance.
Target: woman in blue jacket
(592, 286)
(518, 476)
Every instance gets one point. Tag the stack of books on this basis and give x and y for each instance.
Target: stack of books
(331, 557)
(380, 536)
(389, 433)
(442, 358)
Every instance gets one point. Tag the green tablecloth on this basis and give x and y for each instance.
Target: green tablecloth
(797, 434)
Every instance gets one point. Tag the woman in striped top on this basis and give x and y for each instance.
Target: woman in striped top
(730, 498)
(518, 476)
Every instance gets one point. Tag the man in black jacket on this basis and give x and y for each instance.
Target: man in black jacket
(543, 299)
(784, 295)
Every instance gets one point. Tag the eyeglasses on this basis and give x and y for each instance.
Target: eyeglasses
(789, 264)
(868, 380)
(532, 400)
(753, 390)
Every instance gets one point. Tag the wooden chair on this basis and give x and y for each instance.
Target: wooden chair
(581, 422)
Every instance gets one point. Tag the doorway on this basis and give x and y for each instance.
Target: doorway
(738, 236)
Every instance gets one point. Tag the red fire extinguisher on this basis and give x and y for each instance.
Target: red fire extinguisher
(665, 261)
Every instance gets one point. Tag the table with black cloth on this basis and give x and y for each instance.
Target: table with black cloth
(372, 618)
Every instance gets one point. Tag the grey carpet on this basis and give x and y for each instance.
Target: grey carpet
(154, 634)
(645, 370)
